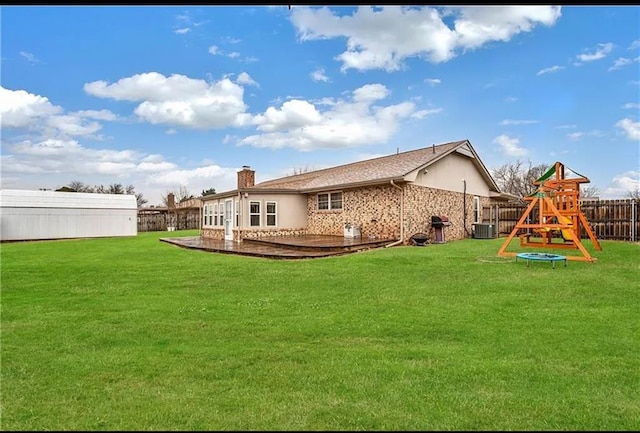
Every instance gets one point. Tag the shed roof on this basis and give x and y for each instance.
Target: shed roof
(58, 199)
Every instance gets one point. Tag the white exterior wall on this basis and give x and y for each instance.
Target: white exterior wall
(291, 209)
(448, 173)
(31, 215)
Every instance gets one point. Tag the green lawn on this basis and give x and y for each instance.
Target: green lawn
(137, 334)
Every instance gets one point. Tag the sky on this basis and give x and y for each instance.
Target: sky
(165, 97)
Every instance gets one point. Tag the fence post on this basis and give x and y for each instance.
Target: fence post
(633, 221)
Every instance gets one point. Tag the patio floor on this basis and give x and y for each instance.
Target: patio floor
(282, 247)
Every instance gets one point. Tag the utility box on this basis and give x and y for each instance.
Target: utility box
(484, 231)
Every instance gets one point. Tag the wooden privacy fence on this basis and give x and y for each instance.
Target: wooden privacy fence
(609, 219)
(162, 221)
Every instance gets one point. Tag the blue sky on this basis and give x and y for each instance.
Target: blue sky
(164, 97)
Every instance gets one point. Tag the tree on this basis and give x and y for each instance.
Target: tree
(179, 196)
(300, 170)
(517, 178)
(209, 191)
(114, 188)
(590, 192)
(634, 194)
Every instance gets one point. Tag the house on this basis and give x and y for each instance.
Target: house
(31, 215)
(390, 197)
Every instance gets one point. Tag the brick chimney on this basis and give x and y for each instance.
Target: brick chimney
(171, 200)
(246, 177)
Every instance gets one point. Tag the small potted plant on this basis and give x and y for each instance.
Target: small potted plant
(351, 230)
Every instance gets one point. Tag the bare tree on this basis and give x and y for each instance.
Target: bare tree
(78, 186)
(634, 194)
(180, 196)
(300, 170)
(114, 188)
(590, 192)
(517, 177)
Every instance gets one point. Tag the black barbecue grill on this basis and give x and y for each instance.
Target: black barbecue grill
(438, 223)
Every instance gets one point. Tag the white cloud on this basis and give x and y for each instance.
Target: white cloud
(600, 52)
(510, 146)
(554, 68)
(186, 23)
(511, 99)
(580, 134)
(170, 131)
(635, 45)
(97, 114)
(19, 108)
(353, 121)
(421, 114)
(631, 105)
(29, 56)
(631, 128)
(622, 61)
(517, 122)
(234, 55)
(432, 81)
(230, 40)
(622, 184)
(178, 100)
(213, 49)
(384, 38)
(245, 79)
(319, 75)
(188, 177)
(570, 126)
(249, 59)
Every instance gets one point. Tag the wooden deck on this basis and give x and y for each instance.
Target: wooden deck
(282, 247)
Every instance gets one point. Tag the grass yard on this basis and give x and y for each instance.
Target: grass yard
(137, 334)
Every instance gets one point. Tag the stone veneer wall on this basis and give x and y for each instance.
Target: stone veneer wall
(423, 202)
(376, 209)
(217, 233)
(260, 233)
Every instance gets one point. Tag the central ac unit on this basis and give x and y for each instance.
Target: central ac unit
(484, 231)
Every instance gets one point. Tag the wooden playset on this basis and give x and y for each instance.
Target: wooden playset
(554, 209)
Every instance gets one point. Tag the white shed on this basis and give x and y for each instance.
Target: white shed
(30, 215)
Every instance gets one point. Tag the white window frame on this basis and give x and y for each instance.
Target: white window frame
(259, 213)
(268, 214)
(237, 220)
(221, 214)
(215, 214)
(330, 200)
(205, 209)
(476, 209)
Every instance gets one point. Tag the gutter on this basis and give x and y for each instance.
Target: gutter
(393, 244)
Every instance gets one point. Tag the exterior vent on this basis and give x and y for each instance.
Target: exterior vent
(484, 231)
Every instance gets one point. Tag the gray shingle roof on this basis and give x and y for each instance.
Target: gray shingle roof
(362, 172)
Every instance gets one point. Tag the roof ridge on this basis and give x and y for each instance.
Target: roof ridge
(319, 171)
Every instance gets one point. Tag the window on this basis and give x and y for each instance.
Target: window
(237, 214)
(205, 209)
(221, 214)
(330, 201)
(271, 213)
(254, 213)
(215, 214)
(476, 209)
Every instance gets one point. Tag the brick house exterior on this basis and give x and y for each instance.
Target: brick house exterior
(391, 197)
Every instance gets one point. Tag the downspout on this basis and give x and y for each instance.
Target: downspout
(393, 244)
(464, 207)
(241, 217)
